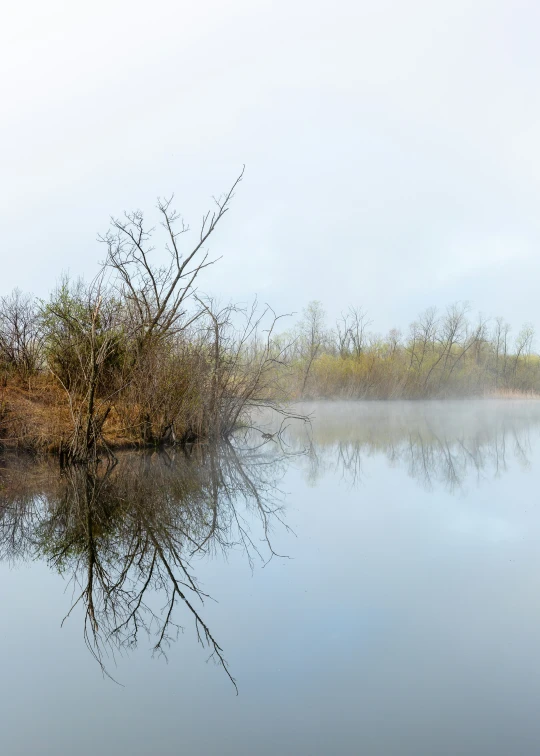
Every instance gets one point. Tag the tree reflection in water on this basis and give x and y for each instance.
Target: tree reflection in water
(440, 445)
(125, 533)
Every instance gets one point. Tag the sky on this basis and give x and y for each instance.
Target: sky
(391, 149)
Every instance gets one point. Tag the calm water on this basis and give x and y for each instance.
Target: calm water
(402, 617)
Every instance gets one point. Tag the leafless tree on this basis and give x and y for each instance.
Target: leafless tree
(351, 331)
(21, 335)
(157, 293)
(311, 338)
(249, 364)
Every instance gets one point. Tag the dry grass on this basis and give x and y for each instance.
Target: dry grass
(37, 418)
(512, 394)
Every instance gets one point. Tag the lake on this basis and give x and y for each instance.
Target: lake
(371, 583)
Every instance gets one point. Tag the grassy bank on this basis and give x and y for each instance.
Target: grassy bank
(138, 356)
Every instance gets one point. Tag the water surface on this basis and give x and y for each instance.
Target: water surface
(373, 583)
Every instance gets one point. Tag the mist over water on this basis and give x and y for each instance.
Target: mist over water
(438, 443)
(374, 575)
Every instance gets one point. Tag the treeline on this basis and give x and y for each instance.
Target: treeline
(138, 355)
(442, 354)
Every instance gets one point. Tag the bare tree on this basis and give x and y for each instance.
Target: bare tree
(311, 338)
(453, 327)
(522, 348)
(157, 293)
(249, 364)
(500, 338)
(21, 334)
(351, 331)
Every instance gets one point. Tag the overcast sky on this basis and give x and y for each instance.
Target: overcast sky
(392, 148)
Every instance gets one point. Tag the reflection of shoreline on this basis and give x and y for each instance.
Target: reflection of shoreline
(439, 443)
(127, 535)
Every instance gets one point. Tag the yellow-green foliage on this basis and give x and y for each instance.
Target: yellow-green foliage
(379, 374)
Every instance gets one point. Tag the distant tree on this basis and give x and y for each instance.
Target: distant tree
(20, 333)
(351, 331)
(312, 335)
